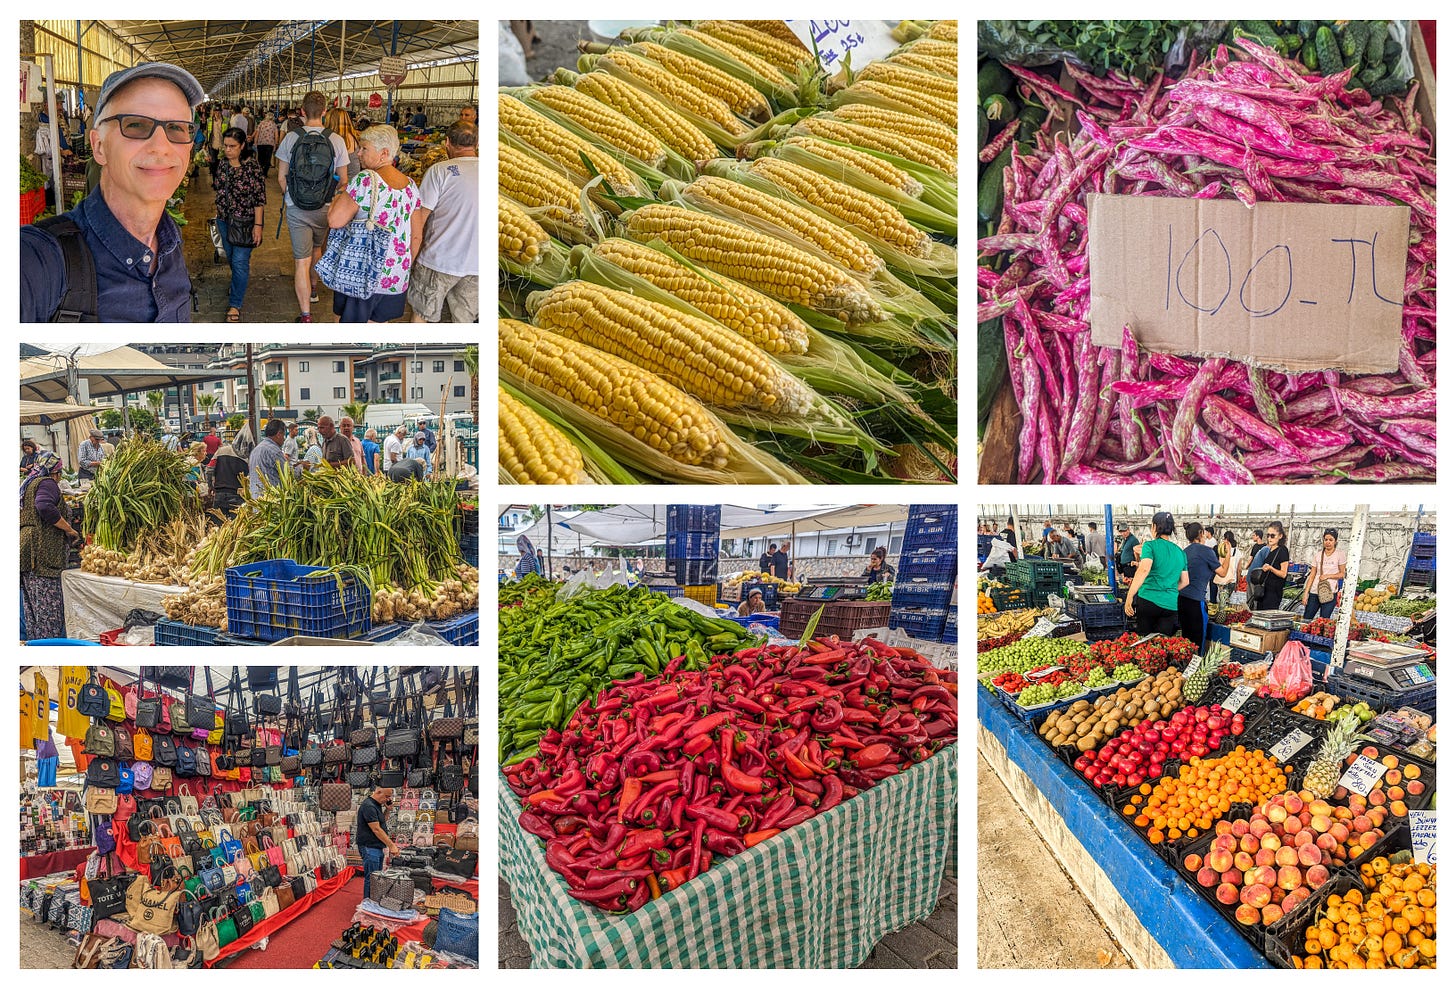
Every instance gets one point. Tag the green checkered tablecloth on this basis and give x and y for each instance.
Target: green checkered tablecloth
(820, 895)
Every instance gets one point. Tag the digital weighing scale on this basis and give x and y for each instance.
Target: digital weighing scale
(1394, 667)
(1270, 621)
(657, 581)
(833, 589)
(1092, 594)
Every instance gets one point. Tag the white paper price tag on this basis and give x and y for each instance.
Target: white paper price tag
(1290, 744)
(1041, 629)
(1361, 776)
(1192, 666)
(859, 42)
(1237, 697)
(1043, 674)
(1423, 836)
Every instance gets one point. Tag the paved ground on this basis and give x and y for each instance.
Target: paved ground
(557, 47)
(929, 944)
(1030, 913)
(41, 947)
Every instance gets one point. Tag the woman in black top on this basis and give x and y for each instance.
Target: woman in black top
(1275, 567)
(878, 569)
(229, 474)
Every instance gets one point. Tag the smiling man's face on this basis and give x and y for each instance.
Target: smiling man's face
(146, 171)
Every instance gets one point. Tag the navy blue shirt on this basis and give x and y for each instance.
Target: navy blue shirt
(127, 291)
(1202, 564)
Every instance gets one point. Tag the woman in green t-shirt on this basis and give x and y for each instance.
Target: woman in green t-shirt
(1161, 573)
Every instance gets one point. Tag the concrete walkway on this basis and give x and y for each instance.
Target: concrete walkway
(1029, 913)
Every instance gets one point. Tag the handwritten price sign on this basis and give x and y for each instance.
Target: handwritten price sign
(859, 42)
(1237, 697)
(1423, 836)
(1361, 775)
(1290, 744)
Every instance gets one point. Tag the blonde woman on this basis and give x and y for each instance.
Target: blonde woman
(395, 200)
(338, 121)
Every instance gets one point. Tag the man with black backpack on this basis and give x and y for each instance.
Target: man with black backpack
(313, 162)
(118, 256)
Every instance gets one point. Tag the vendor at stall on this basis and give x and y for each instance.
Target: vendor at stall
(28, 451)
(1127, 560)
(879, 570)
(753, 606)
(90, 456)
(1161, 574)
(1326, 574)
(45, 528)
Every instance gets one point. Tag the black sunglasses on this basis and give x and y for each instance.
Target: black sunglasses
(138, 127)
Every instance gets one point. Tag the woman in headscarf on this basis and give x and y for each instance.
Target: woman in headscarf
(45, 528)
(314, 451)
(229, 475)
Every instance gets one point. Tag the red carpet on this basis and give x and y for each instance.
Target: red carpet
(306, 939)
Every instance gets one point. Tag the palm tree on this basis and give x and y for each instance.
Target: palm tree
(272, 398)
(355, 410)
(206, 402)
(471, 356)
(156, 400)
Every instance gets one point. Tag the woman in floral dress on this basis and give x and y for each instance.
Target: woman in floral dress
(396, 210)
(241, 194)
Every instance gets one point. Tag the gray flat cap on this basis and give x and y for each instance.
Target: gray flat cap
(178, 76)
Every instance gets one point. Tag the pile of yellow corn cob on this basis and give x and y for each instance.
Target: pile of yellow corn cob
(712, 253)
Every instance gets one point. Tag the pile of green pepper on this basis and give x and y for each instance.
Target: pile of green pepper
(564, 653)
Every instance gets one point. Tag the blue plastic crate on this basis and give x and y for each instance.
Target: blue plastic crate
(1418, 564)
(693, 572)
(921, 592)
(462, 630)
(931, 525)
(1097, 614)
(694, 518)
(1425, 539)
(920, 623)
(768, 621)
(274, 599)
(692, 545)
(169, 633)
(925, 579)
(672, 592)
(770, 593)
(948, 634)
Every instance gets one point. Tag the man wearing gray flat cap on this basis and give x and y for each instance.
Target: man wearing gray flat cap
(117, 257)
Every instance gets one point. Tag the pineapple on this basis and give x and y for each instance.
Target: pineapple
(1197, 682)
(1323, 774)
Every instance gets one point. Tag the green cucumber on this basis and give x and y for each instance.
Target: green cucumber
(1033, 116)
(991, 192)
(999, 110)
(1328, 52)
(991, 365)
(1392, 51)
(1352, 42)
(1375, 42)
(1310, 56)
(993, 80)
(1391, 85)
(983, 128)
(1372, 74)
(1306, 29)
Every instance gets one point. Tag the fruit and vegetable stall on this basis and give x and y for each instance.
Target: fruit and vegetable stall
(1091, 135)
(672, 787)
(1232, 808)
(726, 259)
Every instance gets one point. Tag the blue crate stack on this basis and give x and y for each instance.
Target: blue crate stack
(925, 578)
(1420, 566)
(692, 543)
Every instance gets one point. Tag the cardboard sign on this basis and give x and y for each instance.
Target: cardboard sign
(392, 70)
(1361, 775)
(1302, 286)
(1237, 697)
(1192, 666)
(861, 42)
(1423, 836)
(1290, 744)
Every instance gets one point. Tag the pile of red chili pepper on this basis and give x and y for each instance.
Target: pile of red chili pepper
(655, 777)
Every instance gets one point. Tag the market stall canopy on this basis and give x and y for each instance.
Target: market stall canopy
(46, 413)
(637, 525)
(222, 54)
(43, 379)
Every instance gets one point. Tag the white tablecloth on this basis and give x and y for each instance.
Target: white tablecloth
(96, 604)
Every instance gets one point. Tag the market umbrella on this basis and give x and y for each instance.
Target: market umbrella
(47, 413)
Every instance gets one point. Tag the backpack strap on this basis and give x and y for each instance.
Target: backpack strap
(78, 304)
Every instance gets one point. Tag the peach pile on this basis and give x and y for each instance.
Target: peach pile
(1402, 779)
(1265, 866)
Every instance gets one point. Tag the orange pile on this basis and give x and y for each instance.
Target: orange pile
(1394, 927)
(1203, 792)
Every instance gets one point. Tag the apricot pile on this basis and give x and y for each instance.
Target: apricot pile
(1389, 924)
(1401, 779)
(1203, 792)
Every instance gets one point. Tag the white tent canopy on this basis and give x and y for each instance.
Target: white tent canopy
(45, 413)
(112, 372)
(646, 525)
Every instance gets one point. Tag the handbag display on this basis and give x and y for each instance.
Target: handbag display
(357, 778)
(91, 699)
(100, 801)
(164, 750)
(141, 746)
(161, 778)
(186, 760)
(116, 705)
(242, 917)
(354, 257)
(178, 711)
(151, 910)
(273, 755)
(189, 914)
(124, 748)
(108, 891)
(449, 728)
(402, 738)
(168, 676)
(336, 796)
(271, 875)
(235, 722)
(284, 895)
(100, 740)
(364, 756)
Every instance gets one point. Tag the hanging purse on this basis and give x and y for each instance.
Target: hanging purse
(235, 721)
(108, 890)
(392, 775)
(170, 676)
(402, 739)
(357, 778)
(149, 709)
(178, 711)
(450, 727)
(187, 803)
(364, 756)
(380, 701)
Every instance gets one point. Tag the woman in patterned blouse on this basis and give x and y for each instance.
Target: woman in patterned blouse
(241, 195)
(395, 200)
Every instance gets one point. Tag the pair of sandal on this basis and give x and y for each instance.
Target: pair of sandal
(234, 314)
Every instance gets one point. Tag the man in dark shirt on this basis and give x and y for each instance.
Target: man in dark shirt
(229, 472)
(142, 140)
(780, 566)
(1009, 534)
(408, 469)
(1126, 560)
(766, 560)
(338, 451)
(369, 833)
